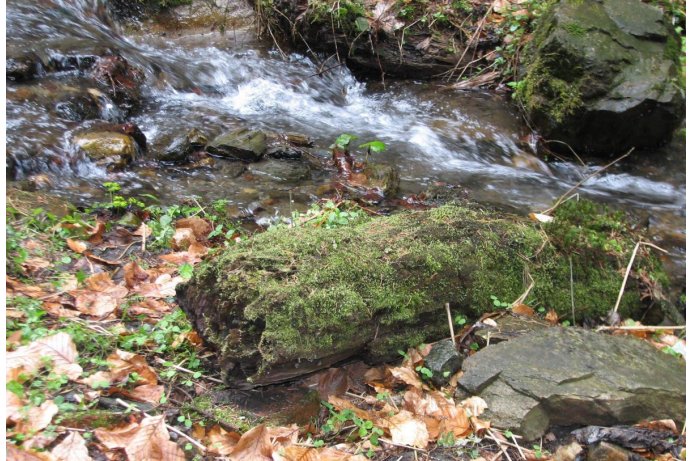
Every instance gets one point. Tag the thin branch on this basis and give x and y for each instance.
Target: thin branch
(177, 367)
(642, 328)
(579, 183)
(448, 316)
(626, 277)
(501, 447)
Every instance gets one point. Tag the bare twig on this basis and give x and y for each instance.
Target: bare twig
(573, 303)
(579, 183)
(626, 277)
(570, 148)
(448, 316)
(501, 447)
(177, 367)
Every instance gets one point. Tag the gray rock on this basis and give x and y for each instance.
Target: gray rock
(602, 76)
(283, 171)
(382, 177)
(284, 153)
(243, 144)
(572, 376)
(24, 67)
(443, 361)
(181, 148)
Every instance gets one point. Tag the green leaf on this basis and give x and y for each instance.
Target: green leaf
(343, 140)
(362, 24)
(186, 271)
(374, 146)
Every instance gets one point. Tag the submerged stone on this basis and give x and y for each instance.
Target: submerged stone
(109, 149)
(570, 376)
(243, 144)
(603, 77)
(180, 150)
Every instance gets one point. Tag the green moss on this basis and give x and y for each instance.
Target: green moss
(575, 29)
(301, 294)
(542, 92)
(228, 414)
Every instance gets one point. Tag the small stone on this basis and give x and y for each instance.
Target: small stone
(382, 176)
(243, 144)
(443, 361)
(300, 140)
(604, 451)
(284, 153)
(182, 148)
(23, 68)
(568, 452)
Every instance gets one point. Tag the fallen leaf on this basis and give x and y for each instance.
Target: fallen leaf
(191, 337)
(407, 430)
(542, 218)
(99, 379)
(134, 275)
(333, 381)
(182, 238)
(142, 231)
(552, 317)
(343, 404)
(408, 376)
(474, 405)
(72, 448)
(162, 287)
(221, 441)
(13, 406)
(94, 303)
(15, 453)
(59, 348)
(283, 436)
(96, 233)
(299, 453)
(522, 309)
(254, 445)
(146, 441)
(662, 425)
(122, 364)
(150, 393)
(77, 246)
(37, 418)
(200, 227)
(98, 259)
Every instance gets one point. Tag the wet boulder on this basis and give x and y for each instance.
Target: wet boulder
(282, 171)
(294, 300)
(23, 67)
(243, 144)
(120, 80)
(182, 148)
(383, 177)
(110, 149)
(603, 76)
(570, 376)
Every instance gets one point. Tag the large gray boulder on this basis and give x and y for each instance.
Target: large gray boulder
(570, 376)
(603, 76)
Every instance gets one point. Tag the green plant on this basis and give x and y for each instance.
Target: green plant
(372, 146)
(425, 372)
(343, 140)
(366, 430)
(499, 304)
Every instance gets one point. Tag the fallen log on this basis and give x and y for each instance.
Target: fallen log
(293, 300)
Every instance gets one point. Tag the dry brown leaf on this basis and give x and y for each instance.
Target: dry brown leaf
(96, 233)
(479, 425)
(333, 381)
(100, 260)
(552, 317)
(72, 448)
(191, 337)
(15, 453)
(524, 310)
(122, 364)
(146, 441)
(37, 418)
(142, 231)
(30, 358)
(15, 287)
(150, 393)
(94, 303)
(59, 310)
(182, 238)
(162, 287)
(200, 227)
(407, 430)
(13, 406)
(343, 404)
(35, 265)
(299, 453)
(660, 425)
(474, 405)
(407, 376)
(134, 275)
(282, 436)
(221, 441)
(77, 246)
(99, 379)
(254, 445)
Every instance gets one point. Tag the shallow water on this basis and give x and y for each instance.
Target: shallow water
(217, 82)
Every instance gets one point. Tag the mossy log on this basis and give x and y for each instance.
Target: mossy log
(293, 300)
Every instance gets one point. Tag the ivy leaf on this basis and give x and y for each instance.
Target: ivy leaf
(186, 271)
(374, 146)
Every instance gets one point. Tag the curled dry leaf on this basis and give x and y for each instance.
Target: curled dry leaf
(407, 430)
(221, 441)
(134, 275)
(343, 404)
(77, 246)
(552, 317)
(150, 393)
(15, 453)
(94, 303)
(299, 453)
(72, 448)
(199, 227)
(183, 238)
(407, 376)
(522, 309)
(59, 348)
(96, 233)
(162, 287)
(37, 418)
(254, 445)
(474, 405)
(148, 440)
(122, 364)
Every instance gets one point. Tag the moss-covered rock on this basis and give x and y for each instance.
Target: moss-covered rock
(603, 77)
(106, 148)
(293, 300)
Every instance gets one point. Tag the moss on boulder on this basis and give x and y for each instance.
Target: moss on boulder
(293, 300)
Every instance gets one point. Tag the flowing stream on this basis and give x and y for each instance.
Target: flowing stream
(216, 82)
